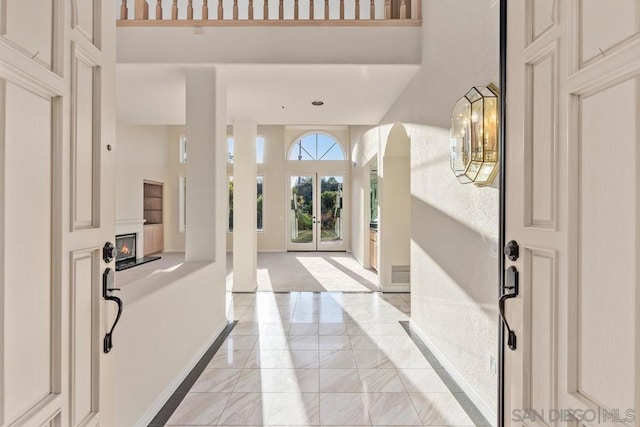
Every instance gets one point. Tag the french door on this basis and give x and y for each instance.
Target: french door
(316, 212)
(572, 211)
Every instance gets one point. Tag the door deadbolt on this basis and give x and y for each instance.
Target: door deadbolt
(512, 250)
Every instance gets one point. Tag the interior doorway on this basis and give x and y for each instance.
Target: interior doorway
(316, 219)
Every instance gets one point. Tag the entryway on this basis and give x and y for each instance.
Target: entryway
(316, 218)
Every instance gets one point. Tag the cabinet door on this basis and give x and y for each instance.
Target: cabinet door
(148, 240)
(158, 238)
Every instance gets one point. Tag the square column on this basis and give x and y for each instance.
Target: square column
(245, 238)
(206, 128)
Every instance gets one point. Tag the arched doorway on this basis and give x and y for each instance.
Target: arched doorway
(317, 187)
(394, 230)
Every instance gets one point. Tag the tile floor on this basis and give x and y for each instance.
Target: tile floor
(334, 359)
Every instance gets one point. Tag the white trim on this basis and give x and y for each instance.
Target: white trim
(455, 375)
(130, 221)
(173, 385)
(396, 287)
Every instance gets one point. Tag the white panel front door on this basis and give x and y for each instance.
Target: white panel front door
(57, 69)
(572, 161)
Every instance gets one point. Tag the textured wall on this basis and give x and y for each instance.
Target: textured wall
(454, 227)
(454, 275)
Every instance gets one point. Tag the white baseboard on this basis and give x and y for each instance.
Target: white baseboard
(271, 250)
(173, 385)
(457, 377)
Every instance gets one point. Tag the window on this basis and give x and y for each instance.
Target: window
(183, 150)
(182, 200)
(259, 150)
(259, 202)
(316, 146)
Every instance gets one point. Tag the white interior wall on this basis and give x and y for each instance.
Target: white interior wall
(141, 153)
(173, 237)
(153, 354)
(454, 227)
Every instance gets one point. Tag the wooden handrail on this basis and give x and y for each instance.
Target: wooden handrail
(394, 10)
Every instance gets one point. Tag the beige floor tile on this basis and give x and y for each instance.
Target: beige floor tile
(336, 359)
(199, 409)
(344, 409)
(216, 380)
(381, 380)
(392, 409)
(340, 381)
(440, 409)
(299, 409)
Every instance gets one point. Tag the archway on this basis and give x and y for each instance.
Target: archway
(394, 232)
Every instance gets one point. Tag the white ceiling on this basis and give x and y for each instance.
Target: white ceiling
(353, 94)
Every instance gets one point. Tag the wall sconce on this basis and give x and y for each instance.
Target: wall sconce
(474, 136)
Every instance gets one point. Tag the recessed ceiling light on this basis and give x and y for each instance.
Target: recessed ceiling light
(317, 103)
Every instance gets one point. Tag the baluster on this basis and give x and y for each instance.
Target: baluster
(190, 10)
(205, 10)
(311, 11)
(250, 12)
(403, 9)
(124, 10)
(296, 10)
(357, 10)
(326, 9)
(372, 10)
(235, 10)
(342, 10)
(281, 10)
(174, 10)
(220, 10)
(141, 10)
(159, 10)
(387, 9)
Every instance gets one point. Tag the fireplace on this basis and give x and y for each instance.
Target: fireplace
(125, 248)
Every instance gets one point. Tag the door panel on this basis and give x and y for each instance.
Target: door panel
(331, 212)
(541, 130)
(84, 168)
(571, 203)
(28, 285)
(28, 26)
(301, 212)
(597, 34)
(607, 197)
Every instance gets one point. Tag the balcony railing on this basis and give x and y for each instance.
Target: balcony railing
(269, 12)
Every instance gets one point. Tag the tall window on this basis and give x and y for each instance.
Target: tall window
(259, 202)
(259, 150)
(183, 149)
(316, 146)
(182, 200)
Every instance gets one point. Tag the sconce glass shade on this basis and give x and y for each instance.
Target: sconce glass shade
(474, 136)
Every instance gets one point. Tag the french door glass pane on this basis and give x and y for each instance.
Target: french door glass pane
(301, 210)
(331, 208)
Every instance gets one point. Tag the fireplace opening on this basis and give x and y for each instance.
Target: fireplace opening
(125, 248)
(126, 252)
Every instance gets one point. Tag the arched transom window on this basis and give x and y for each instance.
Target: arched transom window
(316, 146)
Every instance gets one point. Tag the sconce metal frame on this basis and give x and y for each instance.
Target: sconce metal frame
(474, 136)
